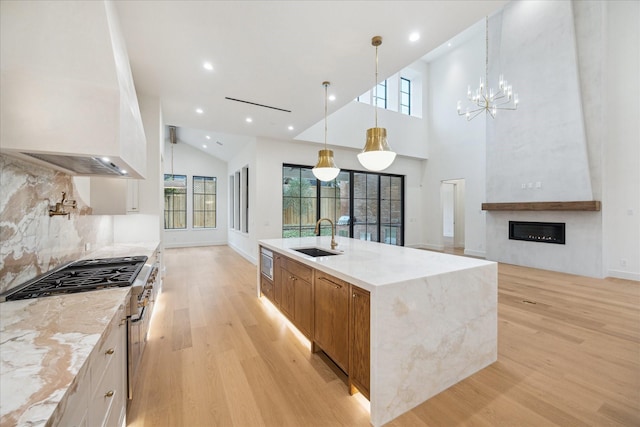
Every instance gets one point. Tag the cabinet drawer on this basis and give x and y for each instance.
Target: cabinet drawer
(266, 286)
(108, 349)
(300, 270)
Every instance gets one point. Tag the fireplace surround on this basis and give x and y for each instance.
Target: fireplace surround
(543, 232)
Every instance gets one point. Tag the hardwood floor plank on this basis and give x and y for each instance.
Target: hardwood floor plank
(220, 356)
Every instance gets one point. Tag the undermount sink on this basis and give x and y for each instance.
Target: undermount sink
(316, 252)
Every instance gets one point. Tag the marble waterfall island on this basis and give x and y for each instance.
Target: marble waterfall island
(433, 316)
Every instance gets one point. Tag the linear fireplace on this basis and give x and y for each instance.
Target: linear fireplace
(545, 232)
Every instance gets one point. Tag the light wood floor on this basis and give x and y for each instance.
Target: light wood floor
(569, 355)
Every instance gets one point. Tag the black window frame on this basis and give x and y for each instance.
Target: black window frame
(324, 228)
(171, 213)
(408, 93)
(193, 202)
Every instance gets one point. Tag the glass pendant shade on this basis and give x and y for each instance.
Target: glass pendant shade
(326, 169)
(376, 155)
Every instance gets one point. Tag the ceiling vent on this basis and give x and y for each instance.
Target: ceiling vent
(256, 104)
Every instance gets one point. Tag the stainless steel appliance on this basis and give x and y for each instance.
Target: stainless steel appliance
(80, 276)
(266, 263)
(143, 296)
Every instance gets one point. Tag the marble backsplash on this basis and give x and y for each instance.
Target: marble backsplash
(32, 242)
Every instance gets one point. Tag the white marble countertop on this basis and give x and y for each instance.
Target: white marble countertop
(372, 264)
(44, 342)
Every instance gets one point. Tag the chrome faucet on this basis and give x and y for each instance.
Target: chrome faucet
(333, 231)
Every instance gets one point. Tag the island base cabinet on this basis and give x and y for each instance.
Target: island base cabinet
(297, 295)
(359, 342)
(331, 324)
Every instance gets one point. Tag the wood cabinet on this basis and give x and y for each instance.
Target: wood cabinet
(332, 313)
(277, 279)
(331, 323)
(359, 341)
(297, 294)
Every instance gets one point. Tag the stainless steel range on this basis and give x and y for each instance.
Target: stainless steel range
(101, 273)
(80, 276)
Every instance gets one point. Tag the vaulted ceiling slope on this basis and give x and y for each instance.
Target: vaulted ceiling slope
(276, 53)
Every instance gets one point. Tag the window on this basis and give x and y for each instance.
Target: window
(204, 201)
(380, 95)
(362, 205)
(239, 200)
(405, 96)
(175, 201)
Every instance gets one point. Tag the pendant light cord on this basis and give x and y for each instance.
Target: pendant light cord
(375, 96)
(325, 114)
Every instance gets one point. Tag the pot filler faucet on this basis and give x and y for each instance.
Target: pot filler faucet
(333, 231)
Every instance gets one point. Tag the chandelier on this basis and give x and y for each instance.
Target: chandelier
(485, 98)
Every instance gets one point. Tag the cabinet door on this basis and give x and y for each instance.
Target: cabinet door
(277, 279)
(331, 323)
(303, 306)
(359, 366)
(287, 304)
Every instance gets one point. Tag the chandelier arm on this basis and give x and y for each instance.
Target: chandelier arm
(471, 117)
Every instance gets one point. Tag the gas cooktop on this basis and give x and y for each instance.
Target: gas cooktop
(80, 276)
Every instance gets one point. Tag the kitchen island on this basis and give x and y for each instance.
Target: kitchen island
(433, 316)
(46, 343)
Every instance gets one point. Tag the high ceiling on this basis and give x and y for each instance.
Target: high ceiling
(274, 53)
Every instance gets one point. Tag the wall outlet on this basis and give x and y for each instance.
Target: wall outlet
(623, 262)
(87, 247)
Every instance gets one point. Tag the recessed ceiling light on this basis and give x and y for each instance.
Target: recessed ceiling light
(204, 145)
(124, 172)
(449, 44)
(199, 110)
(332, 97)
(249, 119)
(290, 128)
(208, 137)
(208, 66)
(413, 37)
(105, 159)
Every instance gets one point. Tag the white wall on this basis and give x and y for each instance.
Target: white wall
(456, 147)
(407, 135)
(266, 159)
(146, 225)
(621, 86)
(246, 243)
(191, 161)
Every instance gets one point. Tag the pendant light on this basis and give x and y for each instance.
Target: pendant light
(172, 182)
(326, 169)
(377, 154)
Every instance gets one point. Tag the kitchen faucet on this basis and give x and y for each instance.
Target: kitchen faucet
(333, 231)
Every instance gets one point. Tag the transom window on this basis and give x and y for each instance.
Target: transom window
(405, 96)
(362, 205)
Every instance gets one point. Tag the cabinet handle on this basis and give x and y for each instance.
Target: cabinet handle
(109, 393)
(354, 294)
(337, 285)
(110, 351)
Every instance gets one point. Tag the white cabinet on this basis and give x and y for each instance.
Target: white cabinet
(67, 88)
(114, 196)
(98, 395)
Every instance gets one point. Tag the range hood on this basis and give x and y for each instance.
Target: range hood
(68, 99)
